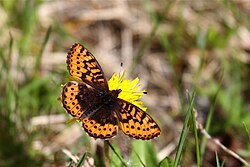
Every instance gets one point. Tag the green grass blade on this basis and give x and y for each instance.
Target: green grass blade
(139, 158)
(197, 149)
(146, 152)
(26, 17)
(209, 118)
(116, 153)
(217, 160)
(166, 162)
(9, 54)
(248, 134)
(11, 87)
(184, 131)
(82, 160)
(39, 56)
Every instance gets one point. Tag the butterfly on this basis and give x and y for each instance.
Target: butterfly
(101, 112)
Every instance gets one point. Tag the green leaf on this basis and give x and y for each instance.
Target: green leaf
(166, 162)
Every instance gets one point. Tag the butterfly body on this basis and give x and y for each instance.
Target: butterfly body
(105, 98)
(99, 109)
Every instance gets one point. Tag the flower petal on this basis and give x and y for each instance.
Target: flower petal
(129, 89)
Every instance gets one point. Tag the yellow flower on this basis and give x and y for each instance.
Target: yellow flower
(129, 89)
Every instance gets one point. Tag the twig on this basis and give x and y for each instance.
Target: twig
(218, 143)
(70, 155)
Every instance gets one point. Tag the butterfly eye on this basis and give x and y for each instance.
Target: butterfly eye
(101, 93)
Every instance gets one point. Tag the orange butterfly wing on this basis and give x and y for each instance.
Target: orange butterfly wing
(136, 123)
(102, 124)
(79, 98)
(83, 66)
(82, 101)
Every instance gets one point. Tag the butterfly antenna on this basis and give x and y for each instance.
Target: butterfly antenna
(121, 74)
(121, 69)
(136, 93)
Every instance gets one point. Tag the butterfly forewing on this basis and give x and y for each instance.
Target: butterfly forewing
(136, 123)
(83, 66)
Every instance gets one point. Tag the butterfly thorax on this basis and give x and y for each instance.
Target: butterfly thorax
(115, 93)
(107, 98)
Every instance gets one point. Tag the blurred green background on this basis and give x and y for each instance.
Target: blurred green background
(172, 46)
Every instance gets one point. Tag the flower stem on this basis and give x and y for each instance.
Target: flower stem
(106, 154)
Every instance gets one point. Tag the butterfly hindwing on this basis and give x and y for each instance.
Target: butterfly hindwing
(101, 124)
(136, 123)
(84, 67)
(77, 98)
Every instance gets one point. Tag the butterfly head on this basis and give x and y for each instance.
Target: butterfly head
(115, 93)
